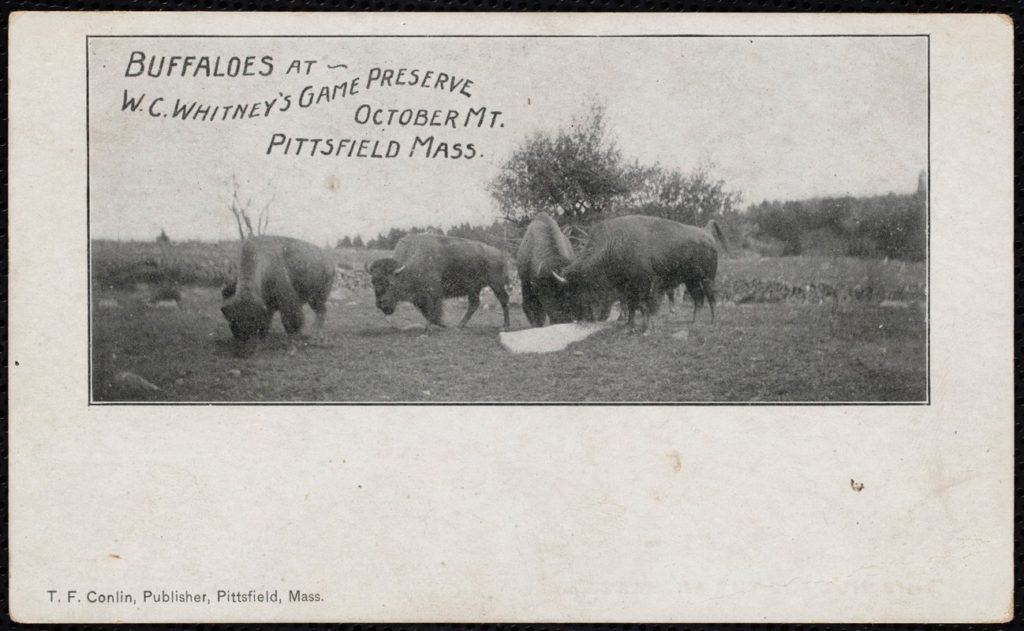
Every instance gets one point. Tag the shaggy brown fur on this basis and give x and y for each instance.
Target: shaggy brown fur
(277, 274)
(543, 250)
(427, 268)
(640, 257)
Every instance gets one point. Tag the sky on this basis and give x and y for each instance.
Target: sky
(780, 118)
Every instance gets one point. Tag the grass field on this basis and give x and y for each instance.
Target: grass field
(806, 350)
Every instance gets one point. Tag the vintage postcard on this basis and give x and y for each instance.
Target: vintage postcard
(409, 317)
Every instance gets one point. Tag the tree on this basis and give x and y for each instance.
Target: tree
(577, 175)
(691, 199)
(882, 225)
(781, 221)
(357, 241)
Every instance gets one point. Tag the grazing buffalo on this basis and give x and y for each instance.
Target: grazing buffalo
(544, 250)
(276, 274)
(639, 258)
(428, 268)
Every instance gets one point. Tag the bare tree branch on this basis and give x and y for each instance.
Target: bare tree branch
(235, 210)
(242, 216)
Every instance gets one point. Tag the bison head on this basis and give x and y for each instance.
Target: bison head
(247, 317)
(584, 297)
(228, 290)
(559, 301)
(384, 273)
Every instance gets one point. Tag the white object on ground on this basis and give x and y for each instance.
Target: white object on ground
(681, 335)
(548, 339)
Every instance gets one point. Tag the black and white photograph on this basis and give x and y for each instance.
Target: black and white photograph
(622, 219)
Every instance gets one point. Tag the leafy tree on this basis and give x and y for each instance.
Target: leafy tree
(577, 174)
(781, 221)
(357, 242)
(691, 199)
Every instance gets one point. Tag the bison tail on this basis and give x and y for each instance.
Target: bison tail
(716, 232)
(507, 280)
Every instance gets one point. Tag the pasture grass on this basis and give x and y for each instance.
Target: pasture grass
(120, 265)
(880, 277)
(777, 352)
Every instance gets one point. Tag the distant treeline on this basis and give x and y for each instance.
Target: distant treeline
(497, 234)
(893, 226)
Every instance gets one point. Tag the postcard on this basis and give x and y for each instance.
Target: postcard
(424, 317)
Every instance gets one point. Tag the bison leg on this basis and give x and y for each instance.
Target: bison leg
(320, 309)
(502, 296)
(709, 290)
(532, 305)
(319, 304)
(696, 291)
(645, 299)
(292, 319)
(318, 324)
(649, 309)
(671, 294)
(264, 326)
(623, 307)
(474, 304)
(631, 318)
(432, 309)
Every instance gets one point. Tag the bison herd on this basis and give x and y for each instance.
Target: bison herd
(633, 259)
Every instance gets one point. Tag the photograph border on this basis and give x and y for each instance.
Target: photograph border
(91, 401)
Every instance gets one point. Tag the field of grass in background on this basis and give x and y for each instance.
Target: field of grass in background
(855, 331)
(124, 264)
(120, 265)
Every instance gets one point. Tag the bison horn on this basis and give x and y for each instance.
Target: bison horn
(399, 270)
(559, 278)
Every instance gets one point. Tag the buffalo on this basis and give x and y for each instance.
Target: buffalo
(639, 258)
(543, 251)
(277, 274)
(427, 268)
